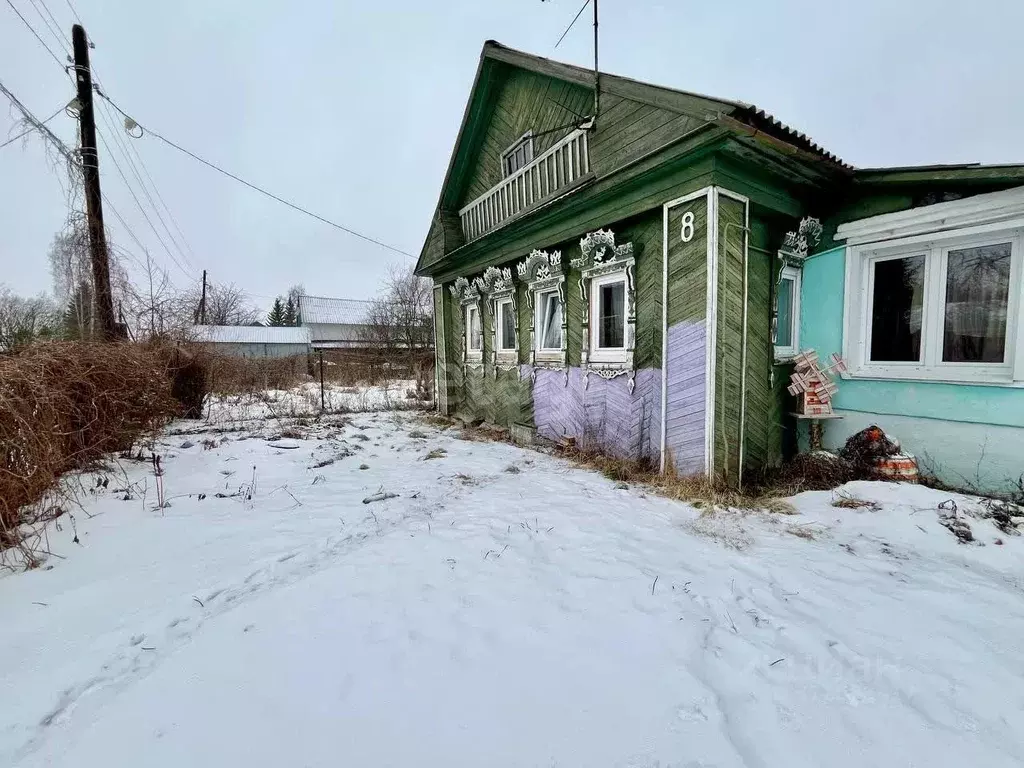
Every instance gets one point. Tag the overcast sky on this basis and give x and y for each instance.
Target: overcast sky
(351, 108)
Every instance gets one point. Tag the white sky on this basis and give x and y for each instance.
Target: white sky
(351, 108)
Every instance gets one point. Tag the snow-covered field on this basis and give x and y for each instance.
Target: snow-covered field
(504, 609)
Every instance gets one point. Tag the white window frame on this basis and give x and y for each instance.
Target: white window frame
(935, 248)
(499, 324)
(539, 303)
(472, 354)
(599, 354)
(525, 140)
(793, 349)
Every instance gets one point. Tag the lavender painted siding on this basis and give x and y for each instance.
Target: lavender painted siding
(685, 367)
(602, 413)
(557, 407)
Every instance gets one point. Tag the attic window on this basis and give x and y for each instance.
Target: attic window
(518, 156)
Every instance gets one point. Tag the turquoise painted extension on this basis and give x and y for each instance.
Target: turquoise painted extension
(965, 434)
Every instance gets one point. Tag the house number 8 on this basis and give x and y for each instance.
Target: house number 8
(686, 232)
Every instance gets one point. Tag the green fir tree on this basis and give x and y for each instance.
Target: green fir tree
(291, 317)
(277, 314)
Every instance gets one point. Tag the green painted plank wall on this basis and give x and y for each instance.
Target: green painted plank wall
(729, 338)
(524, 101)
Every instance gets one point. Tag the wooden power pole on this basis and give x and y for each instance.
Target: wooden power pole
(93, 201)
(202, 302)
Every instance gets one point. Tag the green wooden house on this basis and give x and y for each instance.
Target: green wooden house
(625, 270)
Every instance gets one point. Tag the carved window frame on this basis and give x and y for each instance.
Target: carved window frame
(498, 282)
(542, 272)
(601, 258)
(468, 294)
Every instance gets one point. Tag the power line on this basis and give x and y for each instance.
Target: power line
(51, 25)
(138, 204)
(572, 23)
(67, 40)
(59, 145)
(77, 17)
(27, 131)
(135, 171)
(156, 190)
(252, 186)
(36, 35)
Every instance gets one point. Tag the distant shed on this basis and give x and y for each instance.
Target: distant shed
(254, 341)
(335, 323)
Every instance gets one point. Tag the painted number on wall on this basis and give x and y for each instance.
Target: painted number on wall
(686, 231)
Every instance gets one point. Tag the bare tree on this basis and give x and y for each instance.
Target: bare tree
(399, 323)
(71, 271)
(226, 304)
(151, 308)
(22, 320)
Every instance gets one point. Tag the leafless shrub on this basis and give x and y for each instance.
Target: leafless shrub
(62, 407)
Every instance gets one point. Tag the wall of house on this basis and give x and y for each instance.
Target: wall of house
(967, 435)
(335, 331)
(261, 350)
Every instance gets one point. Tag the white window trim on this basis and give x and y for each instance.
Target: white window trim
(600, 354)
(473, 355)
(499, 325)
(783, 353)
(548, 353)
(526, 138)
(935, 247)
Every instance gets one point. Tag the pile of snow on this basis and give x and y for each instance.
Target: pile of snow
(505, 608)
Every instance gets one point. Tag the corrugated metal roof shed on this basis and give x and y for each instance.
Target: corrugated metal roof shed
(246, 334)
(323, 310)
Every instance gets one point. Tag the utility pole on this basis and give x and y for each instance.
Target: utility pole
(597, 72)
(93, 201)
(202, 302)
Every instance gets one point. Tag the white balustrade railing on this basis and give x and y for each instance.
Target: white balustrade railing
(557, 168)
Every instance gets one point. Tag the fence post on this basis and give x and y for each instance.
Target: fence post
(323, 406)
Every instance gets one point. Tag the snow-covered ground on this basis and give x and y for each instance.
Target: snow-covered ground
(240, 411)
(505, 609)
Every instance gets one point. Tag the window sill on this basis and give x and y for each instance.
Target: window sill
(476, 356)
(976, 379)
(507, 357)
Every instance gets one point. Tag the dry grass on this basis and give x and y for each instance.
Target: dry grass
(62, 407)
(845, 501)
(704, 493)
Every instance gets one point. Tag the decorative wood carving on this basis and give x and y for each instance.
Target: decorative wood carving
(600, 256)
(542, 271)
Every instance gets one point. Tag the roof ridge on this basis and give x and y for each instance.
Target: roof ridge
(333, 298)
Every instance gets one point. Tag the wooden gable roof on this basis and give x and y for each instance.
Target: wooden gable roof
(750, 124)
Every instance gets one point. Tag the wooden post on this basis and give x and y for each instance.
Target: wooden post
(202, 302)
(323, 405)
(103, 297)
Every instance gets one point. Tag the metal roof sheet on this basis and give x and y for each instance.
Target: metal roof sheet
(324, 310)
(250, 334)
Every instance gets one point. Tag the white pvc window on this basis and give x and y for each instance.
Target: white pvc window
(549, 321)
(608, 318)
(474, 331)
(787, 314)
(941, 309)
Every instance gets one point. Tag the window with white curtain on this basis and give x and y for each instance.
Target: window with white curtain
(608, 318)
(506, 331)
(549, 321)
(943, 309)
(474, 332)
